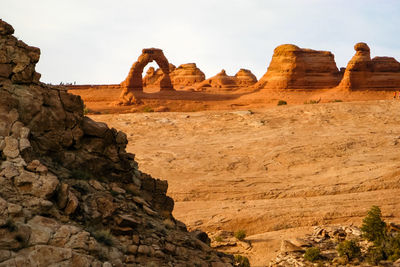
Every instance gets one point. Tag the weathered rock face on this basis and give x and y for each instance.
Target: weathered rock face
(221, 80)
(17, 60)
(245, 78)
(292, 67)
(70, 195)
(187, 74)
(134, 80)
(363, 73)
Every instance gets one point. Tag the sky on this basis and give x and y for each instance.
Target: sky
(97, 41)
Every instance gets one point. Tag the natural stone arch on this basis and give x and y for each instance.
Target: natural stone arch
(134, 80)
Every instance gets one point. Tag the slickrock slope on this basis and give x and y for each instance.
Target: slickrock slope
(364, 73)
(272, 172)
(70, 195)
(245, 78)
(187, 74)
(292, 67)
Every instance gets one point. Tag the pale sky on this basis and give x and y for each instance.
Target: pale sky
(96, 42)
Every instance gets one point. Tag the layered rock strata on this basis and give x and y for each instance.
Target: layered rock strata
(70, 195)
(245, 78)
(187, 74)
(292, 67)
(363, 73)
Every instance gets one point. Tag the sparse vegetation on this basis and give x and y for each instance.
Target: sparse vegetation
(312, 101)
(85, 110)
(103, 236)
(242, 261)
(218, 238)
(386, 244)
(349, 249)
(240, 235)
(282, 102)
(373, 227)
(312, 254)
(336, 100)
(147, 109)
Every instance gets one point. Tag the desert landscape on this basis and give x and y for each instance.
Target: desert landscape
(173, 167)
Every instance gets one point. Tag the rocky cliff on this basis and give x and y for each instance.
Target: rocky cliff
(292, 67)
(363, 73)
(70, 195)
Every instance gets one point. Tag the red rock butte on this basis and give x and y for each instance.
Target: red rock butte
(292, 67)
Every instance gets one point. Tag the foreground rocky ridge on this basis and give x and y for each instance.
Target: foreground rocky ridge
(70, 195)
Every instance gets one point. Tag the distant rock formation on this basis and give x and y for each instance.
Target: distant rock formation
(134, 80)
(221, 80)
(70, 194)
(292, 67)
(245, 78)
(154, 77)
(376, 74)
(187, 74)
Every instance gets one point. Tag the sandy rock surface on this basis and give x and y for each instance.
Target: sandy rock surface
(275, 172)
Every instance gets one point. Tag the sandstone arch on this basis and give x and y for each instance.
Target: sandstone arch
(134, 81)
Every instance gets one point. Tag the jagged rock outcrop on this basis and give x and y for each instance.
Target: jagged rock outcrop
(70, 195)
(362, 73)
(245, 78)
(221, 80)
(187, 74)
(133, 81)
(292, 67)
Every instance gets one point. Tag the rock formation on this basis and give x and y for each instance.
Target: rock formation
(154, 76)
(245, 78)
(187, 74)
(134, 80)
(292, 67)
(221, 80)
(364, 73)
(70, 195)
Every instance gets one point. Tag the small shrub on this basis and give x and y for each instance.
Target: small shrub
(240, 235)
(373, 227)
(218, 238)
(147, 109)
(103, 236)
(336, 100)
(85, 110)
(312, 102)
(375, 255)
(349, 249)
(312, 254)
(282, 102)
(242, 261)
